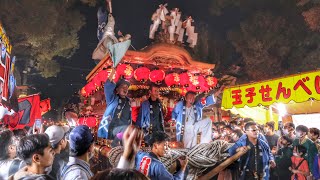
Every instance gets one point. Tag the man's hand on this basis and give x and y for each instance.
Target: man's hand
(272, 164)
(113, 71)
(183, 163)
(242, 148)
(132, 139)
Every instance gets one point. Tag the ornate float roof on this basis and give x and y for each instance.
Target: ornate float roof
(162, 55)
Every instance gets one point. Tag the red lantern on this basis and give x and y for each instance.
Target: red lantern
(185, 79)
(125, 70)
(211, 82)
(172, 79)
(156, 76)
(197, 81)
(142, 74)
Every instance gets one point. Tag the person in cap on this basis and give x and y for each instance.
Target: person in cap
(151, 117)
(302, 139)
(150, 165)
(81, 150)
(189, 122)
(117, 116)
(58, 142)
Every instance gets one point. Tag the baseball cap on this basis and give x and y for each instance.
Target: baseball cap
(80, 138)
(55, 133)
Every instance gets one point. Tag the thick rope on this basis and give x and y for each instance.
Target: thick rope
(200, 157)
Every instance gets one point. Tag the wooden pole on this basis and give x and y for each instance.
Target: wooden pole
(223, 165)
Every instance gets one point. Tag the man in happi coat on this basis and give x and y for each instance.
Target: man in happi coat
(150, 117)
(188, 116)
(117, 115)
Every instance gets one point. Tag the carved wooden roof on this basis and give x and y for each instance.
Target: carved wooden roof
(164, 56)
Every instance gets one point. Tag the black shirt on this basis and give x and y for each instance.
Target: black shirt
(155, 116)
(255, 158)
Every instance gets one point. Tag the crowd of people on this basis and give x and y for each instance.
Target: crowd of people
(58, 152)
(291, 152)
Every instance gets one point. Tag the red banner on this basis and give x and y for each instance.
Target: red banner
(29, 110)
(45, 106)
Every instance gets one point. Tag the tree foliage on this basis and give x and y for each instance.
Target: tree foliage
(274, 37)
(42, 31)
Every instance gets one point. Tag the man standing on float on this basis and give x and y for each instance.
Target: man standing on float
(188, 116)
(117, 116)
(150, 117)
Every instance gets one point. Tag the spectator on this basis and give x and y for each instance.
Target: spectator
(81, 150)
(149, 163)
(58, 143)
(37, 153)
(271, 137)
(302, 139)
(288, 130)
(255, 163)
(299, 166)
(9, 164)
(314, 134)
(283, 158)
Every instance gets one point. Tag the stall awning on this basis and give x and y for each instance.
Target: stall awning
(298, 88)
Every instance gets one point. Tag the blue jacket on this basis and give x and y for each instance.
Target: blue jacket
(316, 167)
(266, 155)
(179, 116)
(151, 166)
(112, 100)
(143, 120)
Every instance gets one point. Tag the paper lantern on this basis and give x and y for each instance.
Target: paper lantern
(211, 82)
(185, 79)
(198, 82)
(142, 74)
(125, 70)
(172, 80)
(156, 76)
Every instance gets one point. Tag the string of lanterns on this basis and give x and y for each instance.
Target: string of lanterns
(181, 83)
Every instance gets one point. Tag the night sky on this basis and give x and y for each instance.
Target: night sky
(131, 17)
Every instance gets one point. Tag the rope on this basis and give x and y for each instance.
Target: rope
(200, 157)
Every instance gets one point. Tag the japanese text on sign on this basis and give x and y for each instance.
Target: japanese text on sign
(298, 88)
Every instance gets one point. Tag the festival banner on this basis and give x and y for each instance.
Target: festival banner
(29, 110)
(297, 88)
